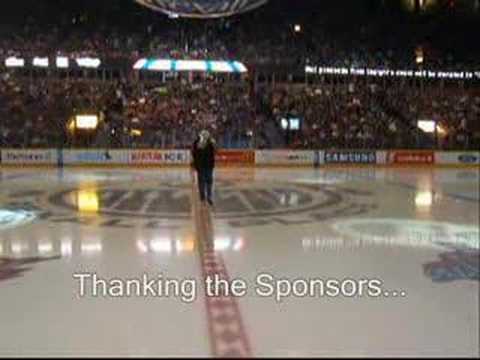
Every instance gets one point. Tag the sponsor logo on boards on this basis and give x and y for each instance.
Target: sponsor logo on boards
(468, 159)
(350, 157)
(412, 157)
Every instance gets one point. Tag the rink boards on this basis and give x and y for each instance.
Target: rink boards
(301, 158)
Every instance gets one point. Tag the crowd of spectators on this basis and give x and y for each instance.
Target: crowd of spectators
(173, 114)
(379, 114)
(148, 114)
(348, 114)
(367, 113)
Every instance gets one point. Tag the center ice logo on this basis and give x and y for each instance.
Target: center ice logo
(454, 265)
(11, 268)
(239, 203)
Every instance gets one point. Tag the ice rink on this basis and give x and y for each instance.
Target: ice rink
(400, 248)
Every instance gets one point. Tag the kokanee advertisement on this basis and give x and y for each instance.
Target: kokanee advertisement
(231, 157)
(411, 157)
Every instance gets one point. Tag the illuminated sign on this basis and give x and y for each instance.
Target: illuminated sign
(459, 75)
(88, 62)
(40, 62)
(86, 121)
(190, 65)
(13, 61)
(61, 62)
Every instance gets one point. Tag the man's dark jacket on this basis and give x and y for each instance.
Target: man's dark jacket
(203, 158)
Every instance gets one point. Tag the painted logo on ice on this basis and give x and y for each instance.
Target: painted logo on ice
(454, 265)
(238, 203)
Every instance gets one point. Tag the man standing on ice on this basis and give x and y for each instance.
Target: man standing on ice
(203, 155)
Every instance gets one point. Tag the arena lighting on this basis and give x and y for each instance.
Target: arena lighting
(13, 61)
(18, 248)
(86, 122)
(140, 64)
(89, 62)
(62, 62)
(66, 247)
(428, 126)
(190, 65)
(222, 243)
(88, 201)
(44, 247)
(294, 124)
(419, 56)
(161, 245)
(419, 59)
(441, 130)
(291, 123)
(185, 245)
(91, 247)
(40, 62)
(185, 65)
(423, 199)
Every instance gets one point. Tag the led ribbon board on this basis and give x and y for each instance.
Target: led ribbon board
(62, 62)
(190, 65)
(460, 75)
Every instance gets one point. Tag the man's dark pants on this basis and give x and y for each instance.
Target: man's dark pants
(205, 183)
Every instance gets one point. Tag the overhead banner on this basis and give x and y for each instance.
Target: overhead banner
(159, 157)
(211, 66)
